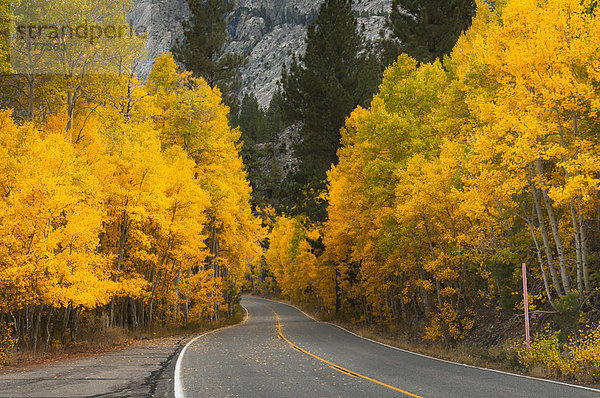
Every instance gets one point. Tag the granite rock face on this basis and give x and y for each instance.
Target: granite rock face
(162, 19)
(271, 31)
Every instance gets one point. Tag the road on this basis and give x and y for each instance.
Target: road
(277, 352)
(280, 352)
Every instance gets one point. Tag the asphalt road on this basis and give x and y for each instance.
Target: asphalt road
(280, 352)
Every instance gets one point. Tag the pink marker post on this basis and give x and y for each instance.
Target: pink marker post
(526, 307)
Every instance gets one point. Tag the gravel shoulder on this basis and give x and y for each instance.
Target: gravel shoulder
(143, 369)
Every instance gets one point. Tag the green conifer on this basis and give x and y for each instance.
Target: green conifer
(202, 50)
(426, 29)
(319, 90)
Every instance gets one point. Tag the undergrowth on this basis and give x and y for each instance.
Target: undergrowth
(95, 337)
(578, 358)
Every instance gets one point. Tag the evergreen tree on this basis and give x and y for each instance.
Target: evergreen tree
(253, 121)
(255, 130)
(274, 115)
(202, 50)
(426, 29)
(319, 90)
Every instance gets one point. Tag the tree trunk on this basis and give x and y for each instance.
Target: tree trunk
(36, 328)
(16, 326)
(30, 97)
(66, 318)
(133, 320)
(126, 224)
(577, 252)
(162, 264)
(584, 252)
(548, 250)
(48, 328)
(176, 304)
(401, 296)
(582, 232)
(437, 281)
(142, 312)
(564, 273)
(574, 218)
(217, 274)
(152, 295)
(422, 290)
(74, 325)
(186, 305)
(338, 292)
(70, 109)
(541, 262)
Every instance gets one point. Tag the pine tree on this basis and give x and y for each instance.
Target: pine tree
(274, 115)
(426, 29)
(256, 130)
(319, 90)
(253, 121)
(202, 50)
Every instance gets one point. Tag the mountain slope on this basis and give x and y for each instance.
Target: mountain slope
(271, 31)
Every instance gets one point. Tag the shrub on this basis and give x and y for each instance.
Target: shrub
(577, 359)
(568, 312)
(584, 352)
(545, 351)
(449, 325)
(7, 343)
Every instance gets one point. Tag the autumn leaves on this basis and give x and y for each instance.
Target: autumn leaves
(131, 198)
(456, 174)
(140, 210)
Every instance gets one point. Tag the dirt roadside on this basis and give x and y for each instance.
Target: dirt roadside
(142, 369)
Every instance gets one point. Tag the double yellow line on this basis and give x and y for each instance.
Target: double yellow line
(331, 364)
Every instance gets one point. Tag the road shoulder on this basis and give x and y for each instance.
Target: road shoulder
(143, 369)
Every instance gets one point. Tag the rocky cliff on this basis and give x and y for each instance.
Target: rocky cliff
(271, 31)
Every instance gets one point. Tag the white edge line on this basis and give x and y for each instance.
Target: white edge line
(439, 359)
(178, 383)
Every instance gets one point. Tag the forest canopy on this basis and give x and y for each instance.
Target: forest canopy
(458, 173)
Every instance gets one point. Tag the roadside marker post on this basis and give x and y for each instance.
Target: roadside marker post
(526, 307)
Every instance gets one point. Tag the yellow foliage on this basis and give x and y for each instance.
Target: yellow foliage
(578, 358)
(438, 179)
(140, 206)
(290, 258)
(449, 325)
(7, 344)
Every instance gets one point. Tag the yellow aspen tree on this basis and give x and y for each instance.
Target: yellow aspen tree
(62, 69)
(290, 259)
(194, 118)
(536, 57)
(53, 222)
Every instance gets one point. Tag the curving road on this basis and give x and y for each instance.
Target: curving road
(280, 352)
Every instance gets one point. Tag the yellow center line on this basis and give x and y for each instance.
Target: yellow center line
(331, 364)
